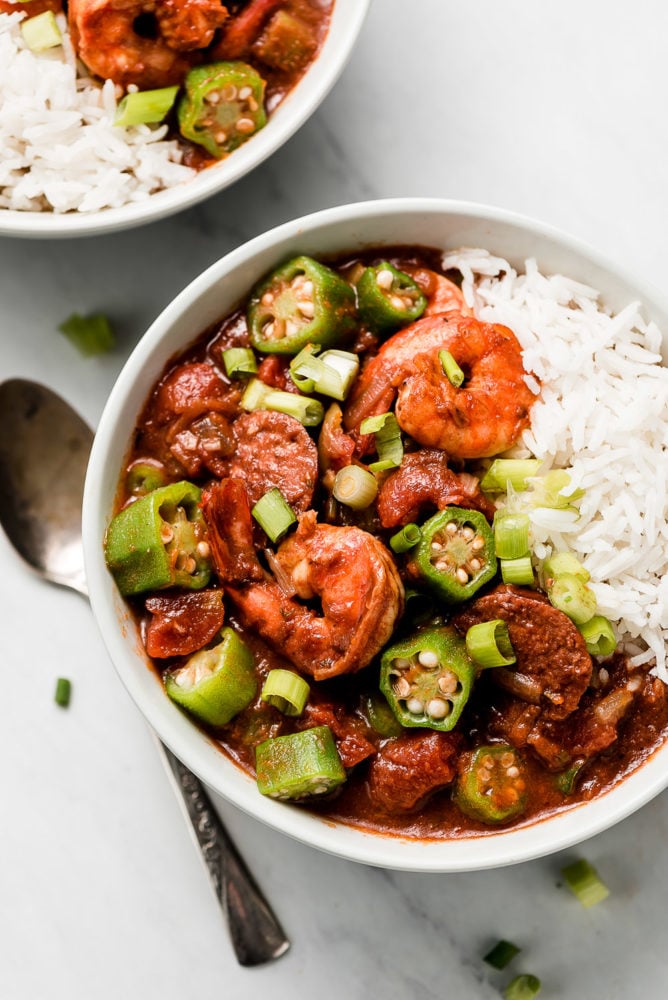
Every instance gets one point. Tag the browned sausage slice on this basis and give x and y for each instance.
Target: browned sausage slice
(183, 623)
(274, 449)
(550, 651)
(408, 769)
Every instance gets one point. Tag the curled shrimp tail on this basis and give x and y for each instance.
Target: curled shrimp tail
(227, 514)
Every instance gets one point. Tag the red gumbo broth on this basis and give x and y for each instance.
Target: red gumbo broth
(318, 574)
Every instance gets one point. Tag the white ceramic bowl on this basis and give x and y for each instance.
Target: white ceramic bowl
(212, 295)
(346, 23)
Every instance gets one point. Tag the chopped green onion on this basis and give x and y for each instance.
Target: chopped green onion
(286, 691)
(451, 368)
(355, 487)
(564, 562)
(511, 534)
(405, 539)
(565, 781)
(501, 954)
(332, 374)
(145, 106)
(90, 335)
(274, 514)
(305, 368)
(41, 32)
(517, 572)
(599, 636)
(388, 441)
(583, 880)
(144, 477)
(63, 692)
(515, 471)
(546, 491)
(259, 396)
(569, 594)
(239, 361)
(489, 645)
(342, 364)
(523, 987)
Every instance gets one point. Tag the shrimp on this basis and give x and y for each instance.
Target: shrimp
(347, 570)
(443, 295)
(483, 417)
(144, 42)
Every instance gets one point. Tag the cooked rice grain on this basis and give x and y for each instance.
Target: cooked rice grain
(59, 149)
(602, 413)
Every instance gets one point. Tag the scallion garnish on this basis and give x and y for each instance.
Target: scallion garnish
(523, 987)
(571, 595)
(489, 645)
(259, 396)
(90, 335)
(501, 954)
(547, 490)
(286, 691)
(511, 534)
(239, 361)
(451, 369)
(41, 32)
(515, 471)
(405, 539)
(355, 487)
(564, 562)
(583, 880)
(332, 374)
(388, 441)
(599, 636)
(274, 515)
(518, 572)
(63, 692)
(145, 107)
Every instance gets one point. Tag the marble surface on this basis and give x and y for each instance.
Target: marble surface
(556, 110)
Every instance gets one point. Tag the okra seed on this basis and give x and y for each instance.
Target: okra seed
(213, 97)
(306, 308)
(191, 565)
(401, 663)
(513, 772)
(475, 565)
(451, 528)
(436, 547)
(603, 676)
(447, 682)
(220, 137)
(166, 533)
(245, 125)
(506, 759)
(462, 575)
(267, 299)
(384, 279)
(396, 302)
(520, 785)
(229, 92)
(245, 93)
(415, 706)
(307, 288)
(291, 328)
(468, 533)
(428, 658)
(478, 543)
(487, 762)
(319, 789)
(203, 550)
(438, 708)
(484, 775)
(402, 688)
(252, 104)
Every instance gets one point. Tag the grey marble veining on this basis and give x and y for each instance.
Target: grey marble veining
(556, 110)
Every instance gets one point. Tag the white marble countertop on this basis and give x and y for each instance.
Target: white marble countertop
(556, 110)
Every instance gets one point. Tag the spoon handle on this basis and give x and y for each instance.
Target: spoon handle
(257, 936)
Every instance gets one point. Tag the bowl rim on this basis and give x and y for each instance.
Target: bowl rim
(498, 848)
(301, 102)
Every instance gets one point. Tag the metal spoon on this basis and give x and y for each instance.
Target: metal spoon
(44, 451)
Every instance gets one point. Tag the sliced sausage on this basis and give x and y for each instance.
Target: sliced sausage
(273, 449)
(551, 653)
(188, 387)
(409, 768)
(182, 623)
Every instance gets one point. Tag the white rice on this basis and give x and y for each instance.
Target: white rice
(603, 414)
(59, 148)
